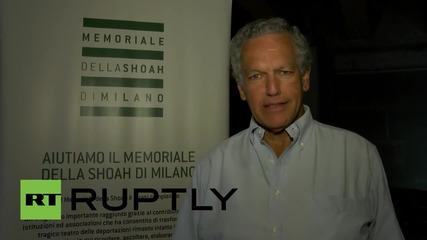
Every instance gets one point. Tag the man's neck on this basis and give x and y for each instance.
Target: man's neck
(277, 141)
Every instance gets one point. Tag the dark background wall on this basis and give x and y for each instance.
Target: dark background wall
(369, 76)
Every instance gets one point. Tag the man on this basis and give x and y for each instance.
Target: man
(295, 177)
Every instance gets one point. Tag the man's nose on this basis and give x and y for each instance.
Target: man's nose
(272, 85)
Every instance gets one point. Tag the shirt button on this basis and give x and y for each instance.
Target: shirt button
(277, 193)
(271, 161)
(301, 146)
(274, 229)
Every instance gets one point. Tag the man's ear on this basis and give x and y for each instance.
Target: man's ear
(241, 92)
(306, 80)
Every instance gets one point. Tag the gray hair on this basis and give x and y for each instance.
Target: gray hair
(266, 26)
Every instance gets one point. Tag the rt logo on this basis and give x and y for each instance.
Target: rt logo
(40, 200)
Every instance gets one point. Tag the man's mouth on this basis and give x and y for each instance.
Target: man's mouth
(274, 105)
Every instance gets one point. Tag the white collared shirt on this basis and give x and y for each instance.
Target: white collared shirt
(328, 184)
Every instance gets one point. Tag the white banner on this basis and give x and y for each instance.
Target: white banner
(118, 100)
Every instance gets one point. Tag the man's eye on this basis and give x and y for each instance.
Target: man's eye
(284, 72)
(255, 76)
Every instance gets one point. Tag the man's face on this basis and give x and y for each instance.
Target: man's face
(272, 83)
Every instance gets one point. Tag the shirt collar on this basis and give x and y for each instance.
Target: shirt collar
(299, 131)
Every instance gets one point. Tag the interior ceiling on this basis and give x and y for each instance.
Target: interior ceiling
(345, 23)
